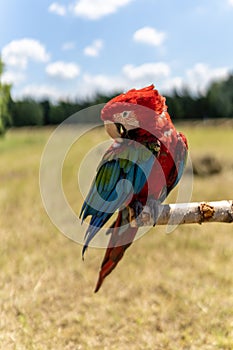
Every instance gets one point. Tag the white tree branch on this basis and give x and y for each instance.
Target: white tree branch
(192, 213)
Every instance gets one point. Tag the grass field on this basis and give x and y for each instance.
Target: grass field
(171, 292)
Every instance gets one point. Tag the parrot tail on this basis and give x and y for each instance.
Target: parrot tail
(119, 242)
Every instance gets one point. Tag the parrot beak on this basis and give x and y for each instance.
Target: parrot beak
(112, 130)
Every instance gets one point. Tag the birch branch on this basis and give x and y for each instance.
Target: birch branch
(191, 213)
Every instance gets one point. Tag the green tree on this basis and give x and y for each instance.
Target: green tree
(46, 106)
(27, 113)
(220, 98)
(57, 114)
(174, 104)
(5, 98)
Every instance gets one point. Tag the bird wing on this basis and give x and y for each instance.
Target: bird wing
(128, 161)
(180, 158)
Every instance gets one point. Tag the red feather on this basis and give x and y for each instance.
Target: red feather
(115, 251)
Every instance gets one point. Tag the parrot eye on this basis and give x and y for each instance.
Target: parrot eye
(125, 114)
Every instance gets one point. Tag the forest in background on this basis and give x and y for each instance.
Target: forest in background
(216, 102)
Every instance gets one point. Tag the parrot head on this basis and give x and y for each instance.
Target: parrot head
(134, 109)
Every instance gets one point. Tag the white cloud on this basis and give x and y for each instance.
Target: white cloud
(40, 92)
(94, 49)
(150, 36)
(18, 52)
(63, 70)
(57, 9)
(196, 78)
(102, 83)
(146, 71)
(69, 45)
(132, 77)
(201, 75)
(230, 2)
(11, 77)
(94, 10)
(167, 85)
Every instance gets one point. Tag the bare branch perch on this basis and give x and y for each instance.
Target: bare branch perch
(193, 213)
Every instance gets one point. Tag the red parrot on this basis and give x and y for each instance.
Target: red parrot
(141, 167)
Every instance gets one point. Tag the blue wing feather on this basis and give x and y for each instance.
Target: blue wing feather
(108, 193)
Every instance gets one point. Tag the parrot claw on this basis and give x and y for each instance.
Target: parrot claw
(150, 213)
(154, 208)
(140, 215)
(135, 211)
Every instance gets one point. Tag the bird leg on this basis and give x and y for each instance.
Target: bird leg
(146, 216)
(151, 210)
(135, 210)
(139, 215)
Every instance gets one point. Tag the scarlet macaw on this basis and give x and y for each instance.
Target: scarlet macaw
(148, 153)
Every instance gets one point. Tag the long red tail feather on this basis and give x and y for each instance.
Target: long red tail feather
(116, 248)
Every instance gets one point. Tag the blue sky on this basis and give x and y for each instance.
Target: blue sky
(73, 48)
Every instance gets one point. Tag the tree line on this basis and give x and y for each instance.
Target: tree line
(217, 102)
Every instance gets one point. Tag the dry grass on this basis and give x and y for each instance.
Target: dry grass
(170, 292)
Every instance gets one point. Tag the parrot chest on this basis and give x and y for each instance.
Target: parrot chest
(159, 176)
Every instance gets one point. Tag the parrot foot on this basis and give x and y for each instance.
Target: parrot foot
(150, 213)
(140, 215)
(135, 210)
(153, 206)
